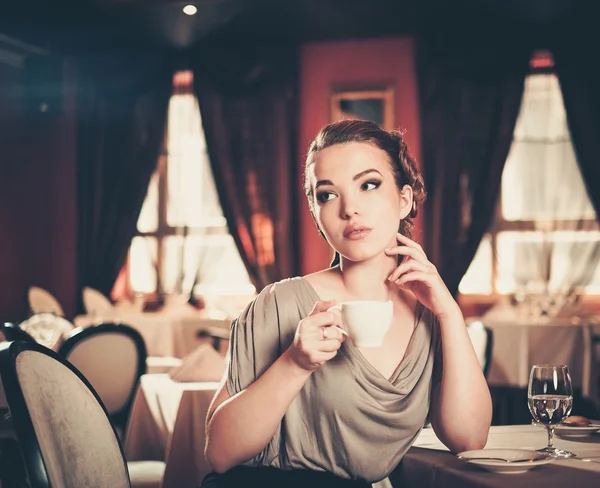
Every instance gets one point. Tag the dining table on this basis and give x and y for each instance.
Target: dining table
(428, 463)
(167, 424)
(168, 334)
(518, 343)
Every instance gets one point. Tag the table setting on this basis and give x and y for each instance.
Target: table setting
(555, 449)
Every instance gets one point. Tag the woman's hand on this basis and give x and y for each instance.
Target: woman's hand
(316, 341)
(419, 276)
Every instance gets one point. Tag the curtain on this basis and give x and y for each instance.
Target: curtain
(247, 98)
(542, 183)
(573, 46)
(121, 112)
(471, 80)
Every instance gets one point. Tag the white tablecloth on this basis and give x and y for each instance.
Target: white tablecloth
(165, 334)
(167, 424)
(428, 462)
(161, 364)
(518, 346)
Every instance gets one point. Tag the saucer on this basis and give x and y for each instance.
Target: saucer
(574, 431)
(509, 461)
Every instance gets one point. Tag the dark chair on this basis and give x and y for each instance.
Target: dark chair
(482, 338)
(489, 346)
(13, 332)
(112, 357)
(12, 471)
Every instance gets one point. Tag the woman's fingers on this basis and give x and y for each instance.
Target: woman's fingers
(407, 266)
(411, 252)
(411, 248)
(322, 306)
(414, 276)
(317, 338)
(322, 319)
(330, 345)
(331, 332)
(408, 242)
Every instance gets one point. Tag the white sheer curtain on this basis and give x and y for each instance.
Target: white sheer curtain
(182, 221)
(543, 192)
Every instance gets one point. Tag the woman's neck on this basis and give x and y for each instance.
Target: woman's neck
(367, 280)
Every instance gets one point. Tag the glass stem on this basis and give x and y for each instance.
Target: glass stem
(550, 436)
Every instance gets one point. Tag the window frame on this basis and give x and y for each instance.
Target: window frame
(182, 85)
(541, 63)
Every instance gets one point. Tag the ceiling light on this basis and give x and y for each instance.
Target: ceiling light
(190, 9)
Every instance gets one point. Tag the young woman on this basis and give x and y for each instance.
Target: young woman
(300, 404)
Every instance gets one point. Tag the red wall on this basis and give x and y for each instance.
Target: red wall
(357, 61)
(37, 199)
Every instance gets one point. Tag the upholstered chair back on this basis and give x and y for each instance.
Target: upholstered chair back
(112, 358)
(64, 432)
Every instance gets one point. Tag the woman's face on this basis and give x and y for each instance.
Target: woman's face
(357, 203)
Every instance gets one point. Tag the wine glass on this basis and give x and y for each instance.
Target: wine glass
(550, 399)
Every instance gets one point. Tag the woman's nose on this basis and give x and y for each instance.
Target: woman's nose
(349, 207)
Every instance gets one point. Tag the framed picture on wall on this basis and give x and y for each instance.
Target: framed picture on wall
(374, 102)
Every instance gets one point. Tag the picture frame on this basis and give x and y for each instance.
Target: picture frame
(363, 102)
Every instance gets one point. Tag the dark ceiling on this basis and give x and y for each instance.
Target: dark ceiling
(93, 24)
(69, 26)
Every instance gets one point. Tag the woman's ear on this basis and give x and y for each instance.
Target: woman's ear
(406, 201)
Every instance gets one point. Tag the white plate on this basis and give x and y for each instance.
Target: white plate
(521, 460)
(576, 431)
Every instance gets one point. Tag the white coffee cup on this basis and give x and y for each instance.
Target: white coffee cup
(367, 321)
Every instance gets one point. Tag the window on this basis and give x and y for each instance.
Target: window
(183, 244)
(545, 236)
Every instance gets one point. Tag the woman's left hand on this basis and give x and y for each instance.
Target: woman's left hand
(419, 276)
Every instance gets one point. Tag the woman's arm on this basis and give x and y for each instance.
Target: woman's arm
(240, 427)
(461, 406)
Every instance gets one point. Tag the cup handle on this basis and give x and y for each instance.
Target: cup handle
(339, 309)
(341, 330)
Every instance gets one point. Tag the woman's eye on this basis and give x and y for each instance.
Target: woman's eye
(370, 185)
(324, 196)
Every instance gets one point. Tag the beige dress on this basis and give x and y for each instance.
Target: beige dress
(348, 419)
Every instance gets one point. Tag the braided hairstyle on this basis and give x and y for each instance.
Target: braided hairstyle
(402, 164)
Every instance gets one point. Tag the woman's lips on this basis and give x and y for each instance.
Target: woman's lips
(356, 233)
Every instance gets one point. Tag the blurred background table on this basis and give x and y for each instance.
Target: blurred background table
(518, 345)
(166, 334)
(167, 424)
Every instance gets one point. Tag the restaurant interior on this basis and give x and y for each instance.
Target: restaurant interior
(152, 184)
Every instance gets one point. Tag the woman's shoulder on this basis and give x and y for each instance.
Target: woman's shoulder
(286, 287)
(296, 289)
(283, 302)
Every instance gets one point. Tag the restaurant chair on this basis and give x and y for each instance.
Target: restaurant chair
(12, 332)
(482, 338)
(63, 430)
(11, 466)
(42, 301)
(112, 357)
(96, 304)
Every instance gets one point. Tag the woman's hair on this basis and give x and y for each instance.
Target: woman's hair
(402, 164)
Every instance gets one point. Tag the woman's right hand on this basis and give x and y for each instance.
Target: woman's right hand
(316, 341)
